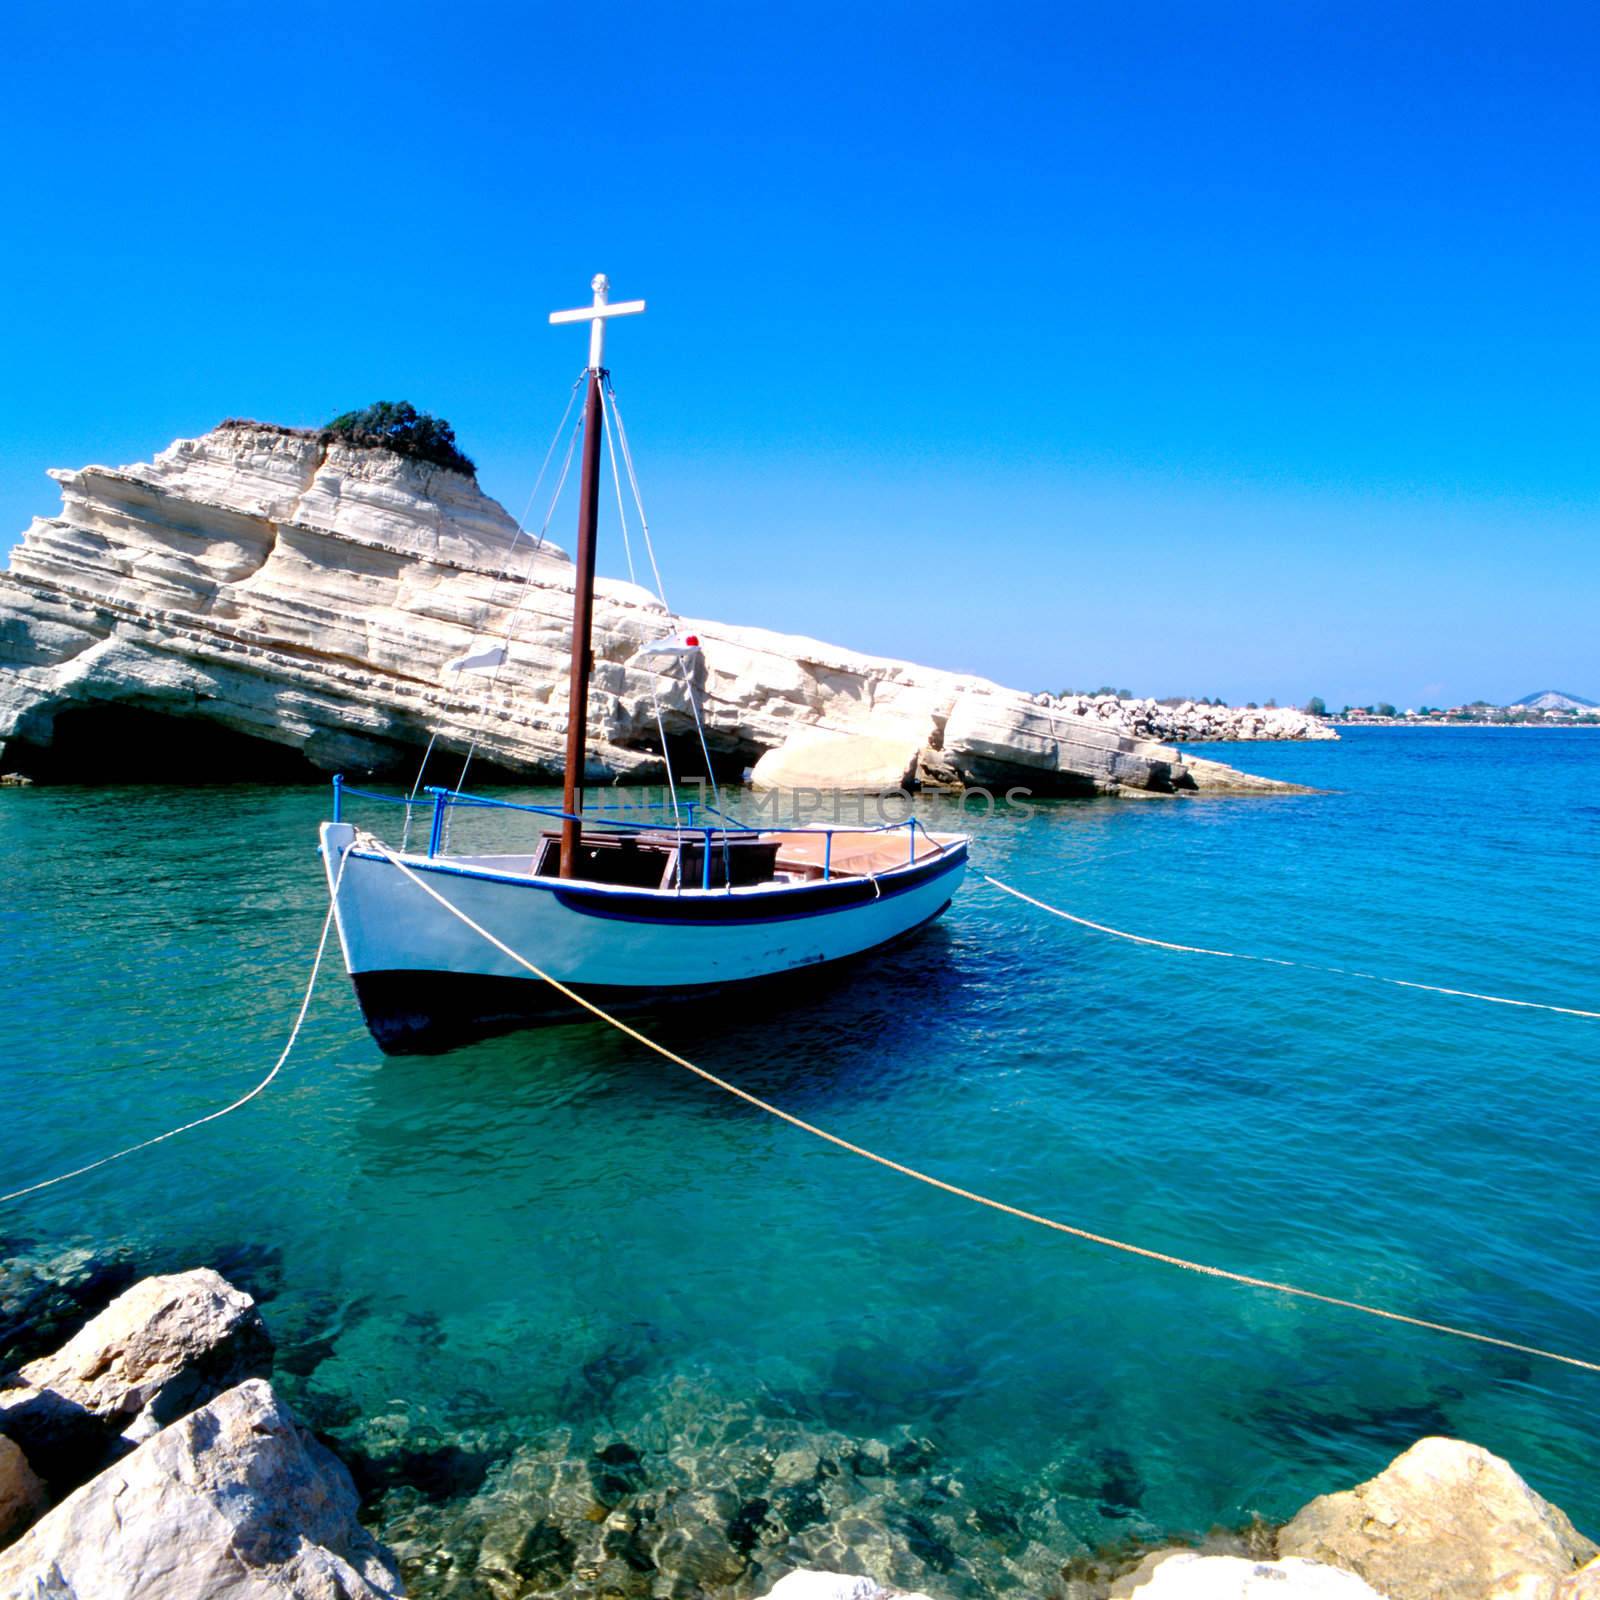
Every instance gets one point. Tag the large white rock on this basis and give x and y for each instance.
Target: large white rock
(233, 1502)
(853, 763)
(1445, 1521)
(309, 594)
(158, 1350)
(1190, 1576)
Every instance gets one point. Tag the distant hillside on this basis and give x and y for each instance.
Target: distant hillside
(1555, 700)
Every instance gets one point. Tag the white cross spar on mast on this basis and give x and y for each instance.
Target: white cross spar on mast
(596, 315)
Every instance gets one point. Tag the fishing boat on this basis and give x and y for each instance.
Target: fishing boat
(619, 910)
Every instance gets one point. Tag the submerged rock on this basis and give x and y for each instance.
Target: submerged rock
(233, 1502)
(712, 1495)
(301, 596)
(1445, 1521)
(157, 1351)
(47, 1294)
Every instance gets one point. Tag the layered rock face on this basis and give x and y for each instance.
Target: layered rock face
(306, 594)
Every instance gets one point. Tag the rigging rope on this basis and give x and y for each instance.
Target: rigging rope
(244, 1099)
(633, 481)
(960, 1193)
(650, 550)
(627, 546)
(614, 412)
(1279, 961)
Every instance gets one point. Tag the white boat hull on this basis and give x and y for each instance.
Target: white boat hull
(423, 974)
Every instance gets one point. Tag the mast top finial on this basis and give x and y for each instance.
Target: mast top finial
(595, 315)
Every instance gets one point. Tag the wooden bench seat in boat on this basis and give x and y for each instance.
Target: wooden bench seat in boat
(661, 860)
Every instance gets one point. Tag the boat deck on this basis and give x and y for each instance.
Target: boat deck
(852, 855)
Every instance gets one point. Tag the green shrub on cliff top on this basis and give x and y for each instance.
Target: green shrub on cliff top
(398, 425)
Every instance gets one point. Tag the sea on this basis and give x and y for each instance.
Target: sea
(557, 1247)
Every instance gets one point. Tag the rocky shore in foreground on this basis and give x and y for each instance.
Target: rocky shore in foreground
(150, 1456)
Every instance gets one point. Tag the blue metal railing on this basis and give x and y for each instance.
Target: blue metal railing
(726, 828)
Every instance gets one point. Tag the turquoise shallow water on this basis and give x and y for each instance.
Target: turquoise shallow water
(480, 1235)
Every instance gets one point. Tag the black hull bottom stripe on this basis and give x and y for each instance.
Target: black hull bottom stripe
(428, 1013)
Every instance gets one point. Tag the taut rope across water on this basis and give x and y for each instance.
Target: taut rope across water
(1279, 961)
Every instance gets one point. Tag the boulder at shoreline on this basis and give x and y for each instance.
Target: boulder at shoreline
(233, 1502)
(848, 763)
(161, 1348)
(1445, 1521)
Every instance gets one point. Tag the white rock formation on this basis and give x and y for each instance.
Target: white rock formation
(1187, 1575)
(1445, 1521)
(309, 593)
(860, 763)
(234, 1502)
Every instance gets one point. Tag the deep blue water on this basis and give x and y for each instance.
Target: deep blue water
(501, 1220)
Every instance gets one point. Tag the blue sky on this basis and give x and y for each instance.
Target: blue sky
(1217, 349)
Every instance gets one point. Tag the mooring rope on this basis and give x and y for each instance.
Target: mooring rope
(1279, 961)
(245, 1099)
(960, 1193)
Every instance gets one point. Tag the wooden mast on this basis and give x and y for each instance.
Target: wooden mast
(583, 585)
(582, 629)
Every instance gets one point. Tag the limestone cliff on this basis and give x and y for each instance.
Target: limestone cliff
(270, 585)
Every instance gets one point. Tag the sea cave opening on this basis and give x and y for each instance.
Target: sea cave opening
(689, 760)
(109, 744)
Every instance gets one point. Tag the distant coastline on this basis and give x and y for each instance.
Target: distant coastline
(1545, 708)
(1462, 722)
